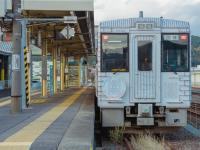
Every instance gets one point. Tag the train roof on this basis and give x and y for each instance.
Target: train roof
(158, 22)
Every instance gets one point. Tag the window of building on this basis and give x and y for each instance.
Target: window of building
(115, 53)
(175, 53)
(145, 55)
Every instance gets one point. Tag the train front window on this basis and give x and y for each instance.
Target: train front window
(175, 53)
(115, 53)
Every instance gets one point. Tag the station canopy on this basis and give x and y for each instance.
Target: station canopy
(59, 5)
(43, 16)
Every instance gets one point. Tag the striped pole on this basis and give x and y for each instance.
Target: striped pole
(27, 79)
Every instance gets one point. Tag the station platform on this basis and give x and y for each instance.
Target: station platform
(61, 122)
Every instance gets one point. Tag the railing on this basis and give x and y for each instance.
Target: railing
(196, 84)
(194, 115)
(36, 85)
(5, 84)
(195, 79)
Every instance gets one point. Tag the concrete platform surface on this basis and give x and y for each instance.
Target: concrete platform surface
(80, 133)
(52, 123)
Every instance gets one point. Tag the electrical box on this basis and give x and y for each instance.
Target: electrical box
(3, 8)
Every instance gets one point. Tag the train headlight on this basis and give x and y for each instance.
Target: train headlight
(128, 110)
(114, 88)
(162, 110)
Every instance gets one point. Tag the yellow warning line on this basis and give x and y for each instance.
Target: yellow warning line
(6, 102)
(23, 139)
(39, 101)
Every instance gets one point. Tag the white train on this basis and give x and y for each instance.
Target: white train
(143, 72)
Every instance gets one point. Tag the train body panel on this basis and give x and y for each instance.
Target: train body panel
(143, 72)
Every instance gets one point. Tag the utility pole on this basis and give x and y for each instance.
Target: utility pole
(16, 58)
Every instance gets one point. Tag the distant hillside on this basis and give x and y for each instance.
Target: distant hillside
(195, 50)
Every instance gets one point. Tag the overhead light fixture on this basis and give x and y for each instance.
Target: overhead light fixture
(114, 41)
(33, 41)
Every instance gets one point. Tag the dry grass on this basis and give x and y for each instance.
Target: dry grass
(147, 142)
(116, 135)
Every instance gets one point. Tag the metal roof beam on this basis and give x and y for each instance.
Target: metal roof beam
(61, 5)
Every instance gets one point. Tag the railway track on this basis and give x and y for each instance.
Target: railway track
(128, 144)
(180, 140)
(186, 143)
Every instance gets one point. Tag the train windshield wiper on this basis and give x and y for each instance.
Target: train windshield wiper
(118, 70)
(115, 72)
(174, 70)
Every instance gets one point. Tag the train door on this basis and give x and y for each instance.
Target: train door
(145, 72)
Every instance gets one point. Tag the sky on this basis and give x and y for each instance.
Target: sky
(187, 10)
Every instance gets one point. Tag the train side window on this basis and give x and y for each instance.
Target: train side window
(175, 53)
(145, 55)
(114, 53)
